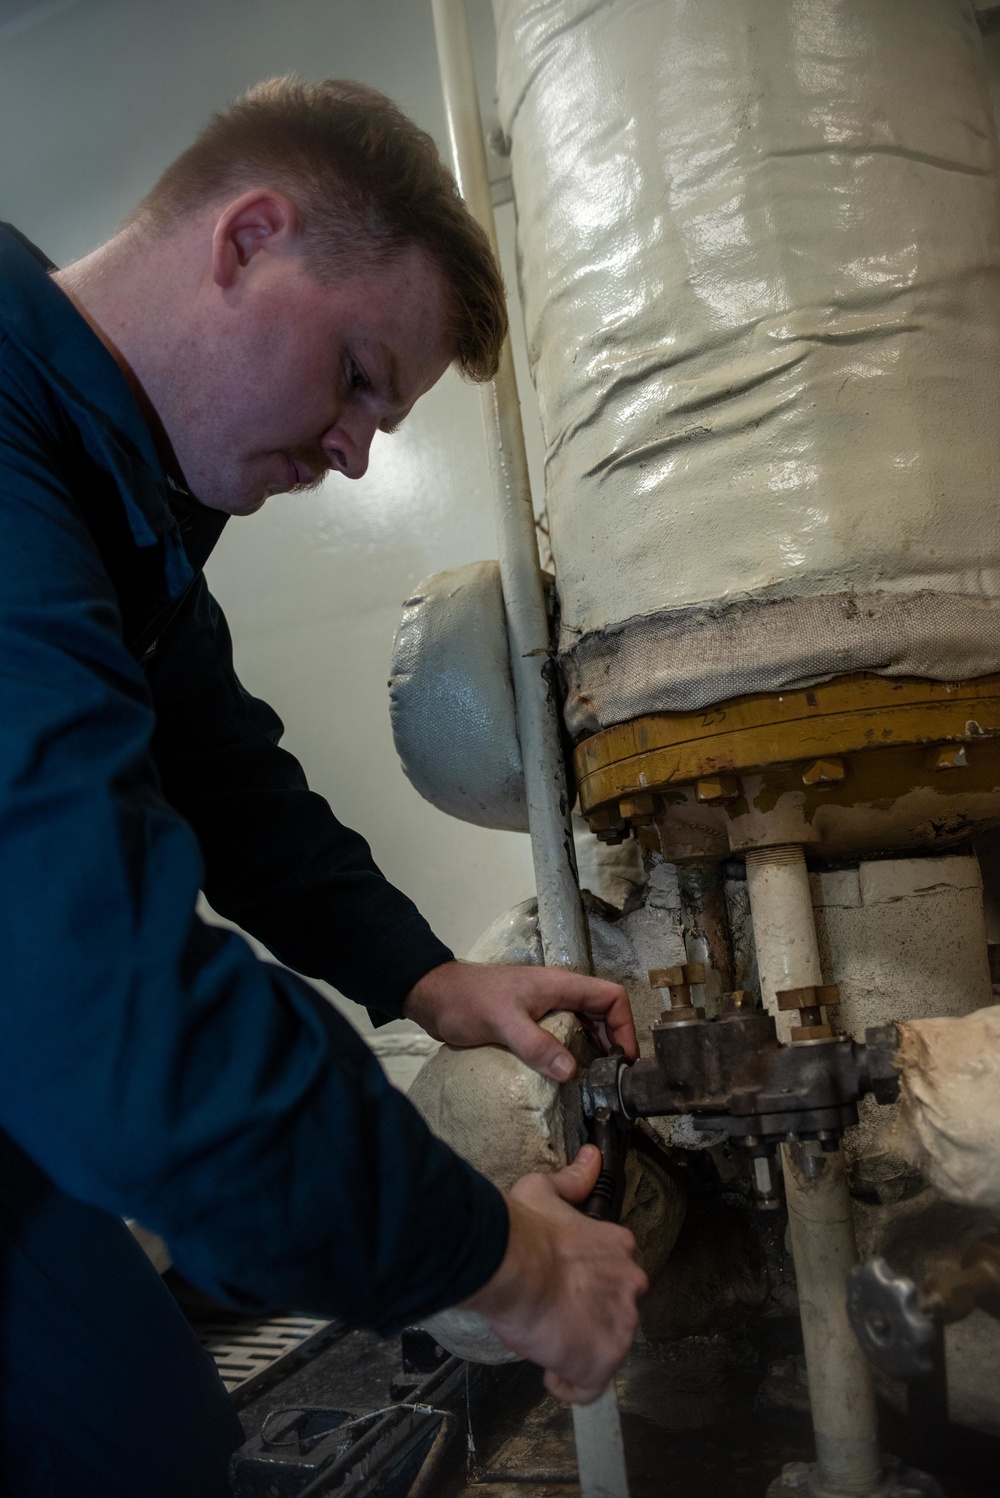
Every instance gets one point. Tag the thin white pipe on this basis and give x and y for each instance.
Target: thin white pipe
(821, 1224)
(561, 923)
(600, 1450)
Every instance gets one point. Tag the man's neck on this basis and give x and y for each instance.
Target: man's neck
(113, 297)
(89, 283)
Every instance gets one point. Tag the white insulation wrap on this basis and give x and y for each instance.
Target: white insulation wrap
(760, 264)
(950, 1104)
(452, 700)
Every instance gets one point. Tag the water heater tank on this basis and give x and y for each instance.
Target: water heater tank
(760, 264)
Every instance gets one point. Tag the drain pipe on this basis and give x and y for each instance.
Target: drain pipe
(561, 922)
(821, 1226)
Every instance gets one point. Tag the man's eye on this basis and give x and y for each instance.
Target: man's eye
(356, 378)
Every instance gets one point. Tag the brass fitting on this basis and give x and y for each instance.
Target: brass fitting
(677, 981)
(810, 1002)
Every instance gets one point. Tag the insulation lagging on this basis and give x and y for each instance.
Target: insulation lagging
(759, 257)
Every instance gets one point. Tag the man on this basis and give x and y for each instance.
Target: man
(294, 283)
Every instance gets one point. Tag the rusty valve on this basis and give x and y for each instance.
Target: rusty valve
(810, 1002)
(678, 981)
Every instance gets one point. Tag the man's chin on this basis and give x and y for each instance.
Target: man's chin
(233, 500)
(251, 506)
(236, 504)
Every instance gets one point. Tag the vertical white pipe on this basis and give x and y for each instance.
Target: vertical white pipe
(784, 927)
(841, 1394)
(600, 1452)
(561, 923)
(845, 1421)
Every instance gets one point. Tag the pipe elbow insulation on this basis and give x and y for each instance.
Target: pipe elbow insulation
(949, 1117)
(452, 699)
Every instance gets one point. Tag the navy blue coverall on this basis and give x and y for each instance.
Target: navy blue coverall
(150, 1065)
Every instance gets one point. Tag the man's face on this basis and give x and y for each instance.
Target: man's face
(294, 378)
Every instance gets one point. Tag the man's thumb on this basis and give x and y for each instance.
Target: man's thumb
(576, 1181)
(538, 1049)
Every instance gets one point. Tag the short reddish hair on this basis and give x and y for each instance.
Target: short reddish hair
(367, 183)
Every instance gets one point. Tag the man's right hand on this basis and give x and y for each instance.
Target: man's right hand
(565, 1294)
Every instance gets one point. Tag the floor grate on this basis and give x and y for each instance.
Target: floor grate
(244, 1349)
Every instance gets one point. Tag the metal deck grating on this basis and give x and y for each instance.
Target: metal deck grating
(242, 1350)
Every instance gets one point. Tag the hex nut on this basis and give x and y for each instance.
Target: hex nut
(824, 772)
(810, 997)
(951, 757)
(712, 789)
(682, 1014)
(665, 977)
(599, 1087)
(641, 808)
(604, 819)
(811, 1032)
(795, 998)
(684, 974)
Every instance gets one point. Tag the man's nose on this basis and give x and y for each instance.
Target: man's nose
(346, 447)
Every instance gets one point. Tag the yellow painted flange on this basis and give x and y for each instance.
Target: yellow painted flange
(838, 717)
(856, 741)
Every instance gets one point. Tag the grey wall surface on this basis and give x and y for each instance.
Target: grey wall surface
(96, 97)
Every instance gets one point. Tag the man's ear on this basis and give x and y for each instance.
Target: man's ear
(260, 219)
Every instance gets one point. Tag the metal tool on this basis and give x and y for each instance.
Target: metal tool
(609, 1130)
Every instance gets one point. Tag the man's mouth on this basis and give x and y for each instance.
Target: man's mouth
(303, 474)
(294, 472)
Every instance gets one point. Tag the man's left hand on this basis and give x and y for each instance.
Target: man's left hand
(474, 1003)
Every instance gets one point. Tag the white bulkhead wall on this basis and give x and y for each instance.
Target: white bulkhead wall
(760, 263)
(96, 97)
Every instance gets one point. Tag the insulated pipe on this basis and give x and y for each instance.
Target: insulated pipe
(819, 1206)
(561, 923)
(759, 247)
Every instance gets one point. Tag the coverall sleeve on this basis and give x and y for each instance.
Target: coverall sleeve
(277, 860)
(150, 1064)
